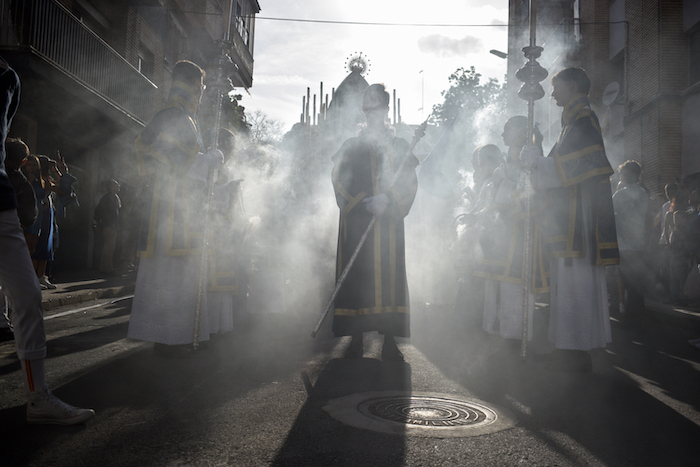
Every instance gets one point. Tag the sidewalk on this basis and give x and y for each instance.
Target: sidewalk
(81, 286)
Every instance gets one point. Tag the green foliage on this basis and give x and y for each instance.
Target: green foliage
(466, 93)
(480, 110)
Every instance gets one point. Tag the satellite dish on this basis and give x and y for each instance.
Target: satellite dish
(611, 92)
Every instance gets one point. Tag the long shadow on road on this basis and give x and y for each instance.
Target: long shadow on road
(317, 439)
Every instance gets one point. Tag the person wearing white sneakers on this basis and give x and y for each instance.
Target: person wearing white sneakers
(20, 285)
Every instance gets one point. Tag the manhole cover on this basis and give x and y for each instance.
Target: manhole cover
(419, 414)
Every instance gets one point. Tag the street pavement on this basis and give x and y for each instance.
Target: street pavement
(255, 397)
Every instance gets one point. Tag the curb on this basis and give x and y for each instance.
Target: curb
(69, 299)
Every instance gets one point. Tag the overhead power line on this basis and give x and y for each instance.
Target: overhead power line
(365, 23)
(427, 25)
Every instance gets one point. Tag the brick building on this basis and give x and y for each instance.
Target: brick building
(643, 58)
(93, 74)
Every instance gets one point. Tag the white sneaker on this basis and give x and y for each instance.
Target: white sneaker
(43, 280)
(45, 408)
(694, 342)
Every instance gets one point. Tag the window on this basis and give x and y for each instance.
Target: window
(145, 61)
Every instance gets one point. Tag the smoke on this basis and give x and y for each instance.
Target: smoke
(290, 216)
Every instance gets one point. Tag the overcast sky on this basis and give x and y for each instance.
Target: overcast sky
(291, 56)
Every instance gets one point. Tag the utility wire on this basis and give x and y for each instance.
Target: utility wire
(425, 25)
(365, 23)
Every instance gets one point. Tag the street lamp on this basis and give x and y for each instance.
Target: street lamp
(498, 53)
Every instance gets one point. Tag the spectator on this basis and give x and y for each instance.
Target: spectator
(107, 220)
(631, 202)
(20, 287)
(31, 170)
(671, 190)
(66, 192)
(48, 234)
(17, 153)
(680, 256)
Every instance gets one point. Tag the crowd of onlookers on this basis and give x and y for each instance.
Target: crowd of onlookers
(44, 189)
(659, 242)
(669, 251)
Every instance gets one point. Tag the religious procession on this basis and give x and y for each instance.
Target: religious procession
(181, 262)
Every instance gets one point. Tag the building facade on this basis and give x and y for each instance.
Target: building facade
(93, 74)
(643, 58)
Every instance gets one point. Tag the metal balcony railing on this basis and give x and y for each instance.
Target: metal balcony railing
(54, 33)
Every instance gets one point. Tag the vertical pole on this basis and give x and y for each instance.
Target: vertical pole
(531, 74)
(320, 105)
(223, 68)
(303, 109)
(308, 103)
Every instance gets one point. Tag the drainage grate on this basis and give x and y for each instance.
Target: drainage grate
(419, 414)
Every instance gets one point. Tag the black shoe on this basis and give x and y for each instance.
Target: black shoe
(391, 352)
(572, 361)
(172, 351)
(355, 349)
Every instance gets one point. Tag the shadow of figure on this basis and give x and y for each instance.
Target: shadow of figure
(318, 439)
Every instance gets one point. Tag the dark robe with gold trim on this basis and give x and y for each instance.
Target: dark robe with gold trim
(581, 164)
(374, 296)
(579, 230)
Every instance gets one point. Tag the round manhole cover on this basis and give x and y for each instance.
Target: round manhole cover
(419, 414)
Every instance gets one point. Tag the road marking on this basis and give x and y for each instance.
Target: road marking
(70, 312)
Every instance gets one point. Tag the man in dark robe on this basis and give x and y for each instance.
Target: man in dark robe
(578, 226)
(374, 175)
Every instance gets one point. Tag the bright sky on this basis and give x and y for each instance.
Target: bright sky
(291, 56)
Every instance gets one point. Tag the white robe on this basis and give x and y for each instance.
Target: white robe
(503, 301)
(165, 297)
(579, 309)
(503, 309)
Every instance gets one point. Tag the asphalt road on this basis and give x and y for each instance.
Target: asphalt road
(255, 397)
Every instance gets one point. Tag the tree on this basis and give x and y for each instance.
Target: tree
(264, 129)
(480, 113)
(467, 95)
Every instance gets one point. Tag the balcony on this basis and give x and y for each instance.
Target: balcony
(44, 28)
